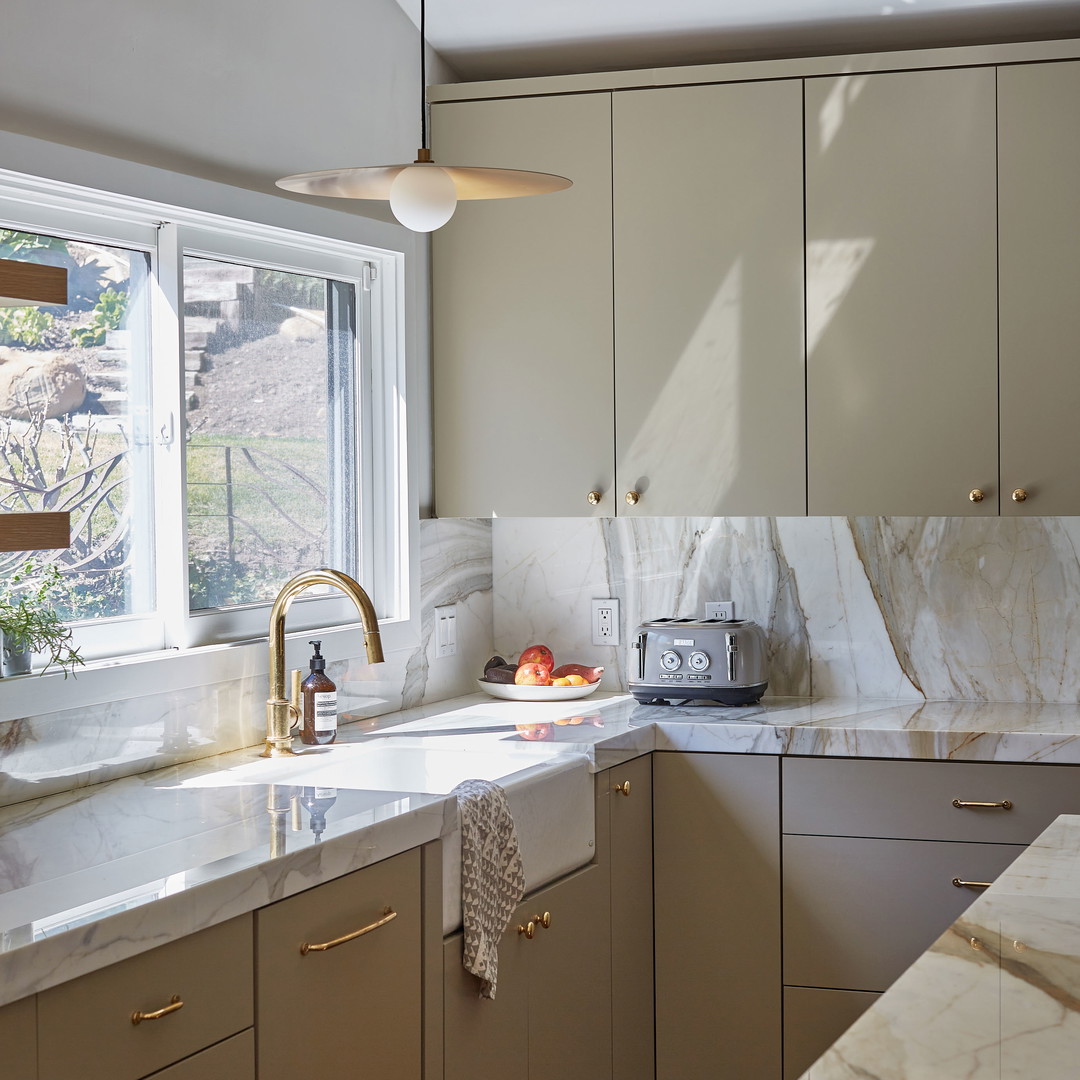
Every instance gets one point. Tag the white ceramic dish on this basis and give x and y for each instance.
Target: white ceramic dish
(513, 692)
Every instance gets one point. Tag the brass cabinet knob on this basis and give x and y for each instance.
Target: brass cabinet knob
(623, 788)
(976, 495)
(594, 497)
(529, 930)
(543, 920)
(632, 498)
(1019, 495)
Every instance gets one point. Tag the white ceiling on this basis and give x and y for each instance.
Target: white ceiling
(485, 39)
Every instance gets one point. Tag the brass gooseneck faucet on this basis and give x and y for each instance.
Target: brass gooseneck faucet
(278, 706)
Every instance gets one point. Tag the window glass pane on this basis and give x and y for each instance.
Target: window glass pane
(74, 398)
(269, 360)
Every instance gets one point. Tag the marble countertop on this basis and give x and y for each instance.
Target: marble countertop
(996, 997)
(94, 875)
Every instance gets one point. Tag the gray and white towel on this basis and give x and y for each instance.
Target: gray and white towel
(492, 875)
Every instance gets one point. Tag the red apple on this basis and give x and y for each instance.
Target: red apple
(537, 654)
(532, 675)
(536, 732)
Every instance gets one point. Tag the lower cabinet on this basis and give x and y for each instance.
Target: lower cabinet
(551, 1015)
(18, 1038)
(880, 857)
(624, 814)
(716, 833)
(338, 977)
(233, 1059)
(186, 996)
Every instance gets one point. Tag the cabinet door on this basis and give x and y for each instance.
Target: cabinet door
(486, 1037)
(858, 912)
(624, 806)
(357, 1002)
(18, 1037)
(709, 299)
(1039, 209)
(901, 293)
(521, 300)
(717, 852)
(570, 980)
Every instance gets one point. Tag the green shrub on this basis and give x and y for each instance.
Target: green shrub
(108, 314)
(24, 326)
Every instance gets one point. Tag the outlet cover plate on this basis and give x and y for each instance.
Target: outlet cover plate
(605, 621)
(720, 609)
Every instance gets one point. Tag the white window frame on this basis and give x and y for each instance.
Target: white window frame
(195, 649)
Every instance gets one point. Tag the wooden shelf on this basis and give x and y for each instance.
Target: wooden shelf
(25, 284)
(35, 532)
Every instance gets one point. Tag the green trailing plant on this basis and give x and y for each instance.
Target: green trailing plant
(17, 245)
(108, 314)
(24, 326)
(28, 619)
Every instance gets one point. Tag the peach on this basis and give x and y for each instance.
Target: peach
(532, 675)
(536, 732)
(537, 654)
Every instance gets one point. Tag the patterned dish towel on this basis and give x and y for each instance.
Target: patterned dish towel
(492, 875)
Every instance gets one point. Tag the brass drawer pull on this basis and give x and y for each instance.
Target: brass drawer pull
(543, 920)
(960, 883)
(976, 495)
(175, 1004)
(529, 930)
(623, 788)
(389, 914)
(594, 497)
(963, 804)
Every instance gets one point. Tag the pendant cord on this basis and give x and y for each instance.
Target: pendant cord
(423, 79)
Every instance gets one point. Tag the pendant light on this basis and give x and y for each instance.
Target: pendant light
(423, 195)
(26, 284)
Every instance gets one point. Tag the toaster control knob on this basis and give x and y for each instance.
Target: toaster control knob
(670, 660)
(699, 661)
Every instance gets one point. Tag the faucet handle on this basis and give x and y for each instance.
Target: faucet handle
(294, 697)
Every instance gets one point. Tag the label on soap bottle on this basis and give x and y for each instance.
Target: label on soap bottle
(325, 703)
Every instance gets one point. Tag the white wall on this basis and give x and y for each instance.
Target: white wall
(239, 91)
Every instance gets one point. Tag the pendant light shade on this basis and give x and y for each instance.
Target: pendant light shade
(423, 195)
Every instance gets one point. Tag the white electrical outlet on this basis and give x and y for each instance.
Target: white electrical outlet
(605, 622)
(720, 609)
(445, 630)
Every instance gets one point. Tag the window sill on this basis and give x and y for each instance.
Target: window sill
(145, 674)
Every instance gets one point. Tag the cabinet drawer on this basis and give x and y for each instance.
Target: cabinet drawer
(85, 1026)
(233, 1059)
(858, 912)
(358, 1002)
(814, 1020)
(913, 800)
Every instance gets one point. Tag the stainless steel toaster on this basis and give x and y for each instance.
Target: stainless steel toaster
(714, 659)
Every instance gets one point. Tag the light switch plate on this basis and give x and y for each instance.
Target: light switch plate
(445, 630)
(605, 621)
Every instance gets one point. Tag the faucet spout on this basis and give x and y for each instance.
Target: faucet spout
(278, 706)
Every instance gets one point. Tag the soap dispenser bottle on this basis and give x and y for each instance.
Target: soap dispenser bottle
(320, 703)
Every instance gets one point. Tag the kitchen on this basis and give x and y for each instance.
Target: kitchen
(944, 608)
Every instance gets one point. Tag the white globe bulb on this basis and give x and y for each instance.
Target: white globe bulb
(423, 197)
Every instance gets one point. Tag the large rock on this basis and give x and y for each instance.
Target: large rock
(31, 381)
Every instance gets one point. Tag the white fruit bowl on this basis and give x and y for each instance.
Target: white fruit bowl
(513, 692)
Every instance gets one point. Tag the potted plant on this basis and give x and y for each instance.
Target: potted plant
(29, 622)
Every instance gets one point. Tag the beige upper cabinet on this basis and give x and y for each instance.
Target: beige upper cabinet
(1039, 206)
(522, 315)
(901, 259)
(709, 299)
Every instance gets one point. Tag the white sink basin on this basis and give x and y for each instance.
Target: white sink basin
(549, 790)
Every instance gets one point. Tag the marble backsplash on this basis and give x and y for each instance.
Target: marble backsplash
(967, 609)
(51, 752)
